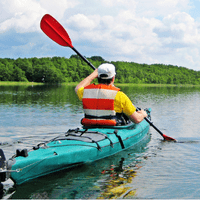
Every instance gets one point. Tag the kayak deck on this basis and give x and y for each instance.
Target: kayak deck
(73, 148)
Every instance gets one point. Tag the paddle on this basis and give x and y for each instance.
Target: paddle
(53, 29)
(163, 135)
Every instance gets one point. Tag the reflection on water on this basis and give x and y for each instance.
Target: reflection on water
(29, 115)
(117, 177)
(41, 95)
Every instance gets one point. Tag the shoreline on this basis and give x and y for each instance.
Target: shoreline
(14, 83)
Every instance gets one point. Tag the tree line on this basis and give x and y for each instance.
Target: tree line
(74, 69)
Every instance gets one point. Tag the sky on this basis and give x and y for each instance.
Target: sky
(141, 31)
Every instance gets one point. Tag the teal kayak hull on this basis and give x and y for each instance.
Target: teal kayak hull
(74, 148)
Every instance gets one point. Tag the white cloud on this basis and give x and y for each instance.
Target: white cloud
(131, 4)
(22, 15)
(83, 22)
(124, 34)
(180, 30)
(147, 8)
(57, 8)
(25, 15)
(155, 8)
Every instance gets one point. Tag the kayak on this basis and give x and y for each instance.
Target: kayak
(75, 147)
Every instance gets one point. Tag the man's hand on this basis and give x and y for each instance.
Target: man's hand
(87, 80)
(144, 113)
(138, 116)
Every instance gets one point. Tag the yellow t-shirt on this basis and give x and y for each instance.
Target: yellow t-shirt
(121, 102)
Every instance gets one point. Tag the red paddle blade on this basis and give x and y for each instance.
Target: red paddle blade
(167, 138)
(53, 29)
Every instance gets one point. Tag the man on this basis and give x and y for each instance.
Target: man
(104, 103)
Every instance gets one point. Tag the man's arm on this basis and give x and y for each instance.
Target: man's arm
(124, 104)
(85, 82)
(138, 116)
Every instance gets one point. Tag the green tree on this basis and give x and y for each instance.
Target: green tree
(19, 75)
(26, 66)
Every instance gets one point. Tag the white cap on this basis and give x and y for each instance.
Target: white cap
(106, 71)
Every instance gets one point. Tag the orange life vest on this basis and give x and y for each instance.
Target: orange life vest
(98, 105)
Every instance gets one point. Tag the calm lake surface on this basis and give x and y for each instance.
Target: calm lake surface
(154, 169)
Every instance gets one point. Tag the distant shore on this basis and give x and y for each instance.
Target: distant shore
(2, 83)
(15, 83)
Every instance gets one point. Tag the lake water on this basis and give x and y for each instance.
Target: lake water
(154, 169)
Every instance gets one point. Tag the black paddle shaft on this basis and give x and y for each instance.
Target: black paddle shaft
(151, 123)
(90, 64)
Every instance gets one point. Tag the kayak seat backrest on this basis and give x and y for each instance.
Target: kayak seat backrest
(120, 119)
(110, 127)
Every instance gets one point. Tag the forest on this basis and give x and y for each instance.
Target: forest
(74, 69)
